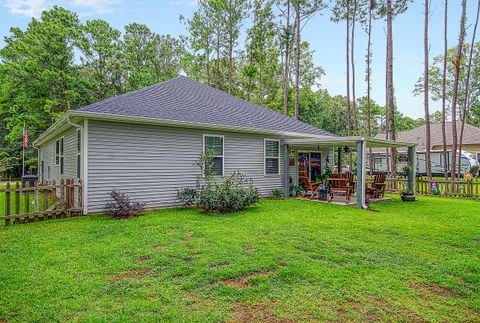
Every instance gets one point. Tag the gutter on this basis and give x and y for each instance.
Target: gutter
(184, 124)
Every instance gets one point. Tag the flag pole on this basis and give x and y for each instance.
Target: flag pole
(23, 150)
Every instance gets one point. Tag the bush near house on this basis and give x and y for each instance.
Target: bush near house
(122, 207)
(229, 194)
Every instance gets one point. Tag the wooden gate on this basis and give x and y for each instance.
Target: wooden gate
(42, 201)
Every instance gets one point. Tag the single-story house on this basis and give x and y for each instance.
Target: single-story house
(470, 147)
(145, 143)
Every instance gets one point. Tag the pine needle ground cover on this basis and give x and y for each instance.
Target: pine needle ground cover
(279, 260)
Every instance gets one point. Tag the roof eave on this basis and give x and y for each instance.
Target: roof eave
(175, 123)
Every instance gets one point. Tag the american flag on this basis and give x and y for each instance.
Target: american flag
(25, 137)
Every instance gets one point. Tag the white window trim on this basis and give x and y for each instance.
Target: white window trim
(78, 160)
(223, 150)
(265, 156)
(57, 153)
(61, 155)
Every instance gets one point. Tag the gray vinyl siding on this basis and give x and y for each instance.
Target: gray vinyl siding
(150, 163)
(47, 154)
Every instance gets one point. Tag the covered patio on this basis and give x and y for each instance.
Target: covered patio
(323, 150)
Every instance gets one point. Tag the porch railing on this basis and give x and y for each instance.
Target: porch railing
(458, 188)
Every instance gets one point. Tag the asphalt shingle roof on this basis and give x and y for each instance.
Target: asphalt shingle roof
(471, 135)
(182, 99)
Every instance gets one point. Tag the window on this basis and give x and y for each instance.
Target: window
(79, 150)
(214, 145)
(57, 152)
(42, 170)
(59, 157)
(272, 157)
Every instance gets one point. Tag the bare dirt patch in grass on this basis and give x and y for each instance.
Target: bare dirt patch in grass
(143, 259)
(374, 309)
(436, 290)
(219, 265)
(158, 247)
(135, 274)
(261, 312)
(246, 280)
(264, 235)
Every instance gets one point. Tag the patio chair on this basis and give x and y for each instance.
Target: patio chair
(341, 184)
(377, 188)
(308, 185)
(351, 181)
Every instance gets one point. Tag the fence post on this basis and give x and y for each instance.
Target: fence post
(27, 201)
(35, 200)
(7, 204)
(45, 202)
(67, 197)
(80, 195)
(17, 201)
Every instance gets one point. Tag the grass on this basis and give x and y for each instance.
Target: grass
(280, 260)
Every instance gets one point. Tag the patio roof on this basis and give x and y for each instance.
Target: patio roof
(350, 141)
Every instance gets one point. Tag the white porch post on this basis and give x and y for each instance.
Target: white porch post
(361, 148)
(412, 173)
(286, 177)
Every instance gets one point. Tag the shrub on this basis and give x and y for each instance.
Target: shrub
(122, 206)
(277, 194)
(187, 196)
(235, 193)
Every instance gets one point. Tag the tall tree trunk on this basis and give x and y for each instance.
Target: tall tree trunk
(217, 63)
(286, 63)
(352, 51)
(467, 82)
(390, 95)
(369, 104)
(297, 59)
(444, 106)
(387, 118)
(230, 48)
(207, 58)
(457, 66)
(428, 163)
(349, 110)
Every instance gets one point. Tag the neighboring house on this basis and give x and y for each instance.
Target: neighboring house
(145, 143)
(470, 147)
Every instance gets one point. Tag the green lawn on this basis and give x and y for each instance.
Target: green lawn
(285, 260)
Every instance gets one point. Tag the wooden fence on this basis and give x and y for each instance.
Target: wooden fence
(42, 201)
(457, 188)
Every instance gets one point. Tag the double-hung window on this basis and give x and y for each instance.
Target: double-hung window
(213, 146)
(272, 157)
(59, 154)
(79, 150)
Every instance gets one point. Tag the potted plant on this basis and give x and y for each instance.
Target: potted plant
(407, 169)
(407, 196)
(323, 190)
(298, 190)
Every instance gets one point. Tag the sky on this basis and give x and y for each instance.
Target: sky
(326, 38)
